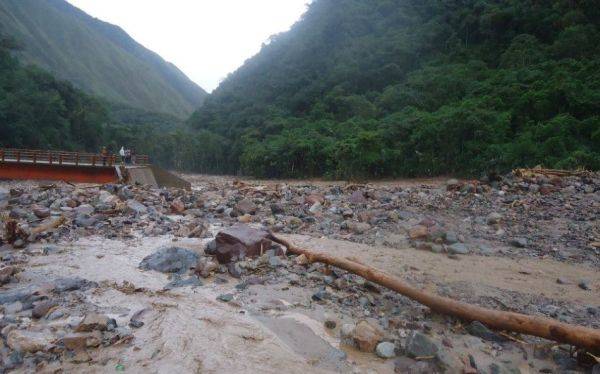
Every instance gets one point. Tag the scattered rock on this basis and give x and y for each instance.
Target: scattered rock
(137, 207)
(95, 321)
(366, 336)
(419, 345)
(584, 284)
(82, 341)
(418, 232)
(479, 330)
(225, 297)
(519, 242)
(386, 350)
(170, 260)
(458, 249)
(28, 341)
(494, 218)
(178, 282)
(42, 308)
(245, 206)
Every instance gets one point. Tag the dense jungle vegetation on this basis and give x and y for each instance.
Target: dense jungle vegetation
(386, 88)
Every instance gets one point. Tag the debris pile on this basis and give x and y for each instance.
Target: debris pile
(215, 237)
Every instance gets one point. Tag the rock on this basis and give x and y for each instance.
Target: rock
(277, 208)
(358, 227)
(357, 197)
(4, 194)
(366, 336)
(493, 218)
(301, 260)
(95, 321)
(347, 334)
(275, 262)
(13, 308)
(316, 208)
(245, 206)
(136, 207)
(246, 218)
(330, 323)
(19, 243)
(519, 242)
(479, 330)
(235, 270)
(81, 341)
(420, 345)
(24, 294)
(584, 284)
(453, 184)
(450, 237)
(85, 221)
(211, 248)
(55, 314)
(170, 260)
(177, 207)
(385, 350)
(225, 297)
(71, 284)
(458, 249)
(6, 273)
(448, 361)
(28, 341)
(313, 199)
(418, 232)
(42, 308)
(240, 241)
(84, 210)
(561, 280)
(178, 282)
(320, 295)
(41, 212)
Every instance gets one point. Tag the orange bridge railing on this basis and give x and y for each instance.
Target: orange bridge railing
(66, 158)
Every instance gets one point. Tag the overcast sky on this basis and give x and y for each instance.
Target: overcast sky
(206, 39)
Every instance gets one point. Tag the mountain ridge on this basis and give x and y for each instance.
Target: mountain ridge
(97, 56)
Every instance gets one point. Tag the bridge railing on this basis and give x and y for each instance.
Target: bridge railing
(65, 158)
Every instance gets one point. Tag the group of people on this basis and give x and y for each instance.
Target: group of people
(127, 156)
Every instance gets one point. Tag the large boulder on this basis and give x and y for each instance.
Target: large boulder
(240, 241)
(170, 260)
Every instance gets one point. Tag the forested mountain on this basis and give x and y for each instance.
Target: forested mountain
(97, 57)
(413, 87)
(38, 111)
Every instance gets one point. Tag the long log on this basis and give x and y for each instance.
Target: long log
(546, 328)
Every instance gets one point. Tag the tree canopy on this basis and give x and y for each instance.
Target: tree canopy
(387, 88)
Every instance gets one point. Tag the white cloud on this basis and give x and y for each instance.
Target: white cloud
(206, 39)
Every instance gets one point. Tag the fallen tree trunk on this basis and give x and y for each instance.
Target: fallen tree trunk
(547, 328)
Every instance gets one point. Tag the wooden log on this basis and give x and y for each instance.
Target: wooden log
(546, 328)
(48, 226)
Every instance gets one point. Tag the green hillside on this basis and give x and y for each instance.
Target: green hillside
(38, 111)
(97, 57)
(414, 87)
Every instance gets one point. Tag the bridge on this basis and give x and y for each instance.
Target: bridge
(81, 167)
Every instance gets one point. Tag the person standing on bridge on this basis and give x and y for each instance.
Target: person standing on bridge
(122, 154)
(104, 155)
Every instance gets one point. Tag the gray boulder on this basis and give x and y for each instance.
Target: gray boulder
(170, 260)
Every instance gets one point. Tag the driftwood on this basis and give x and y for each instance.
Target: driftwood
(547, 328)
(48, 226)
(550, 172)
